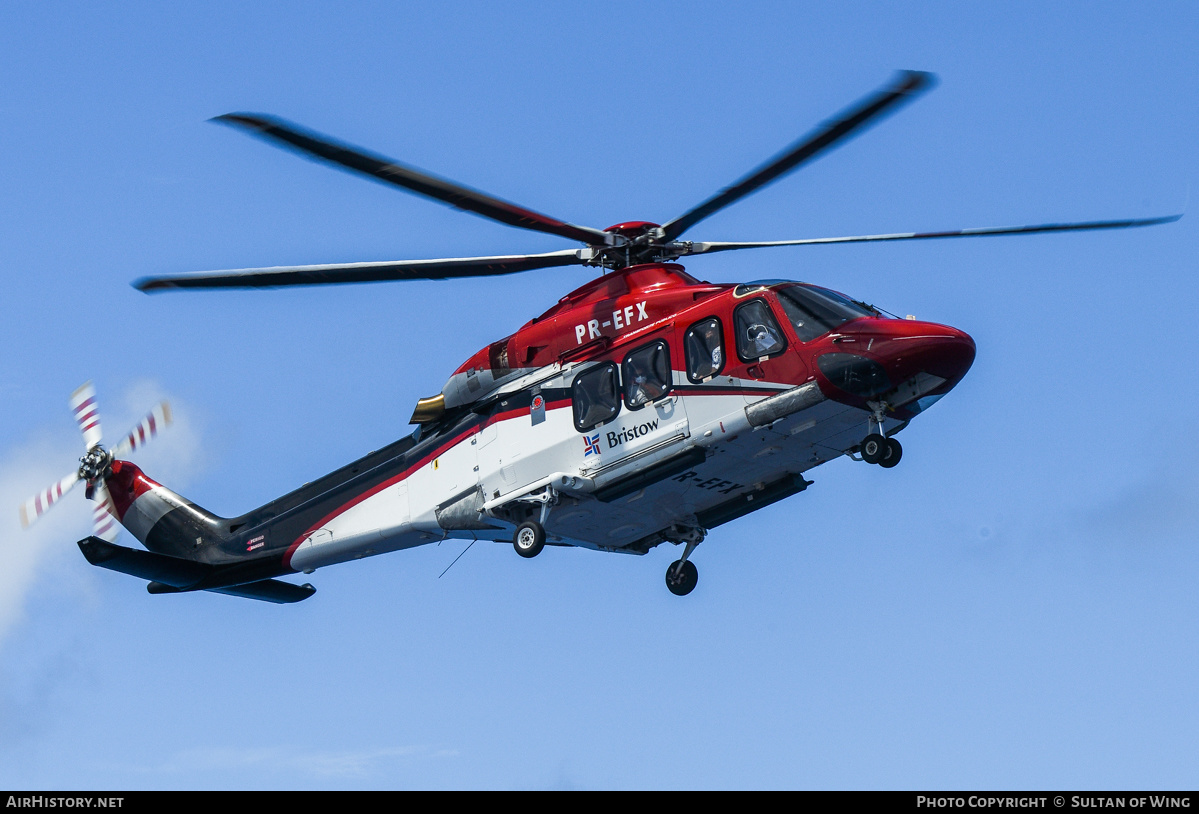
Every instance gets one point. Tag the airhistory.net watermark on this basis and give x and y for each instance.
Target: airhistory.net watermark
(46, 801)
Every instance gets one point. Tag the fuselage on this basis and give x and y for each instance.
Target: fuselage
(642, 408)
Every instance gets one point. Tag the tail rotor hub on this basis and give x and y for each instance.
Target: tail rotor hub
(94, 465)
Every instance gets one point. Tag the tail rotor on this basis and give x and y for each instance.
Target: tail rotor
(39, 504)
(87, 414)
(94, 465)
(104, 515)
(146, 429)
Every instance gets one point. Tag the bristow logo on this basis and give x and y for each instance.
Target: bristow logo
(591, 445)
(617, 438)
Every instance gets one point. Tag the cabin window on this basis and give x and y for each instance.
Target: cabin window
(497, 356)
(646, 374)
(595, 396)
(703, 346)
(758, 333)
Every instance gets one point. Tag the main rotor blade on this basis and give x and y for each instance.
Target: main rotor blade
(689, 248)
(364, 272)
(390, 172)
(906, 86)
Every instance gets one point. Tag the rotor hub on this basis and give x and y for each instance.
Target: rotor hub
(643, 242)
(95, 463)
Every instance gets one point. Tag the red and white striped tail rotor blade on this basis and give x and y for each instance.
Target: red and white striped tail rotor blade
(149, 426)
(104, 514)
(36, 506)
(87, 414)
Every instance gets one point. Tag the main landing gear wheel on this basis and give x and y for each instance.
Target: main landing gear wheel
(893, 454)
(681, 577)
(529, 539)
(874, 448)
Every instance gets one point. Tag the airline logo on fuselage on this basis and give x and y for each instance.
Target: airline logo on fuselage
(621, 319)
(624, 435)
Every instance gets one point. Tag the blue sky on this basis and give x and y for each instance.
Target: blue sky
(1012, 606)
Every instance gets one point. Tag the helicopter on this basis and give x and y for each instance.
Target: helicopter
(645, 407)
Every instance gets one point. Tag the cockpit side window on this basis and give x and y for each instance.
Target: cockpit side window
(703, 345)
(595, 396)
(815, 311)
(758, 333)
(646, 374)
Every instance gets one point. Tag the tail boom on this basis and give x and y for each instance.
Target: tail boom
(163, 521)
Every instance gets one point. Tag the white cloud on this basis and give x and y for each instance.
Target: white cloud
(177, 456)
(24, 552)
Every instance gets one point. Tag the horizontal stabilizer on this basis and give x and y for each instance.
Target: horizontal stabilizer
(172, 571)
(270, 590)
(169, 575)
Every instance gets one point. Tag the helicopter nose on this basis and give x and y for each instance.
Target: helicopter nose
(872, 356)
(926, 347)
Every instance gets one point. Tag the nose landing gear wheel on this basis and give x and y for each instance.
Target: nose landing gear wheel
(874, 448)
(529, 539)
(681, 577)
(893, 454)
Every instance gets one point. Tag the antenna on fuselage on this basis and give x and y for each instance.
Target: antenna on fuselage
(451, 565)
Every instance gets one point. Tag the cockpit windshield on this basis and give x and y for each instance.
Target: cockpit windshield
(816, 311)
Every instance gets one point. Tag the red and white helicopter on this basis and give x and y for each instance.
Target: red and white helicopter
(645, 407)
